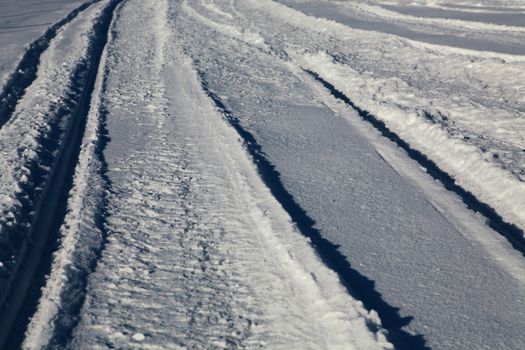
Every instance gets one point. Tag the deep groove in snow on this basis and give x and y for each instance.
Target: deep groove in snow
(26, 71)
(358, 285)
(73, 294)
(512, 233)
(47, 213)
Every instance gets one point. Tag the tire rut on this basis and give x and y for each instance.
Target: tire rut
(45, 204)
(512, 233)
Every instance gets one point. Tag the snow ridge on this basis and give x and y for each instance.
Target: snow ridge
(274, 103)
(82, 233)
(198, 252)
(473, 138)
(511, 232)
(484, 179)
(40, 147)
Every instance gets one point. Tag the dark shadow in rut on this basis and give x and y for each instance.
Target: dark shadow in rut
(512, 233)
(74, 294)
(22, 299)
(358, 285)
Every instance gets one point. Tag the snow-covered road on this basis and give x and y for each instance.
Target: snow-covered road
(238, 174)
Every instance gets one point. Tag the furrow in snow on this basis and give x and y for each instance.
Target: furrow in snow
(82, 234)
(39, 154)
(471, 127)
(512, 233)
(478, 181)
(425, 267)
(442, 32)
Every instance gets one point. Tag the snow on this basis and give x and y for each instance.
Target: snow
(514, 18)
(470, 122)
(378, 17)
(24, 21)
(138, 337)
(224, 198)
(472, 168)
(244, 35)
(198, 250)
(430, 266)
(40, 115)
(80, 236)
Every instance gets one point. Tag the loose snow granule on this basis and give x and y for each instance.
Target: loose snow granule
(138, 337)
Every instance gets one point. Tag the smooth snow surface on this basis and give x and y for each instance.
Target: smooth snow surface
(498, 32)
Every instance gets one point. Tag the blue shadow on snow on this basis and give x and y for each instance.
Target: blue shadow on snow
(358, 285)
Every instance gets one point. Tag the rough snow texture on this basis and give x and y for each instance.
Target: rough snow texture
(30, 140)
(419, 258)
(198, 253)
(81, 233)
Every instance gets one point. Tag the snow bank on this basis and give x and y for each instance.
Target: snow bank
(81, 237)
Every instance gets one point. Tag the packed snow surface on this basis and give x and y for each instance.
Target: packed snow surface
(431, 23)
(462, 108)
(386, 228)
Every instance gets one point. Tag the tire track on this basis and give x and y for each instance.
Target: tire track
(512, 233)
(50, 191)
(357, 285)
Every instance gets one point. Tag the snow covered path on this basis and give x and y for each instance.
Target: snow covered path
(425, 253)
(482, 30)
(198, 252)
(226, 192)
